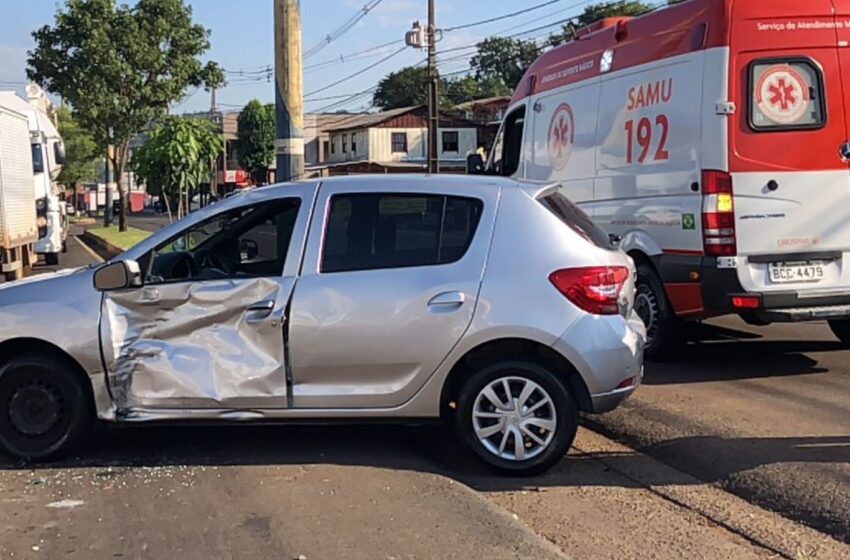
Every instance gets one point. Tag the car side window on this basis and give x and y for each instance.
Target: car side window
(374, 231)
(248, 242)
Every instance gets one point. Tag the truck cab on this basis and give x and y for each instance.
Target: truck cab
(711, 137)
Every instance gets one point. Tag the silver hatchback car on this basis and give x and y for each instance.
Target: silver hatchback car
(496, 305)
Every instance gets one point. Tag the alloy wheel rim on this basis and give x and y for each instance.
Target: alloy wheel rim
(514, 418)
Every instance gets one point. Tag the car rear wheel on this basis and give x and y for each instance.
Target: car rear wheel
(841, 329)
(44, 408)
(51, 259)
(517, 417)
(664, 336)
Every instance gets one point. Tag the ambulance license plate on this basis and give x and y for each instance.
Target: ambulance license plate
(784, 273)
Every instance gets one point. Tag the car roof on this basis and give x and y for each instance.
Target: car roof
(409, 179)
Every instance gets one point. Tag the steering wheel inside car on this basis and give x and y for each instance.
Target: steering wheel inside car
(204, 260)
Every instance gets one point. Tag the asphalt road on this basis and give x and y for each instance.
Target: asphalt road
(763, 412)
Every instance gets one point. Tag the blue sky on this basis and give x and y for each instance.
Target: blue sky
(242, 39)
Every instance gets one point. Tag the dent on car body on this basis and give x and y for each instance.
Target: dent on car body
(192, 345)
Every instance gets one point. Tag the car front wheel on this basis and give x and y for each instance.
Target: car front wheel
(44, 408)
(517, 417)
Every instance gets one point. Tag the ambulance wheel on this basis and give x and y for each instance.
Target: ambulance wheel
(841, 329)
(664, 336)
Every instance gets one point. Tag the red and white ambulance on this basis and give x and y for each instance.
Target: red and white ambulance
(712, 137)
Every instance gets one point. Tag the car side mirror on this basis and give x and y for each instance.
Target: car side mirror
(474, 164)
(117, 275)
(248, 250)
(615, 240)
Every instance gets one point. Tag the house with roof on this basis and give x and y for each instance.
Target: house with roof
(396, 141)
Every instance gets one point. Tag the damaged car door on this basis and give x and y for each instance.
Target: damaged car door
(205, 327)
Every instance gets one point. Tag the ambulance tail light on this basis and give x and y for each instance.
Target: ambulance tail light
(718, 215)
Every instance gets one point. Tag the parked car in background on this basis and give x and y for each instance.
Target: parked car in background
(498, 306)
(712, 136)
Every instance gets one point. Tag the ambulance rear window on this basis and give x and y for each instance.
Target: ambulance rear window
(786, 94)
(575, 218)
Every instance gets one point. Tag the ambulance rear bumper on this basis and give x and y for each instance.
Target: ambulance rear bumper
(713, 295)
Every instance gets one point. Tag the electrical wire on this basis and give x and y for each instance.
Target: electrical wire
(499, 18)
(355, 74)
(342, 30)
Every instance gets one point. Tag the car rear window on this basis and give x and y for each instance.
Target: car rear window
(373, 231)
(576, 219)
(786, 94)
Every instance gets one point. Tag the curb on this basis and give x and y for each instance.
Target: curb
(775, 534)
(103, 249)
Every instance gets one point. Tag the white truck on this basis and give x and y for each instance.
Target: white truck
(48, 156)
(18, 229)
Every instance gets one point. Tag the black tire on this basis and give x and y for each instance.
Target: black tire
(44, 408)
(664, 331)
(566, 421)
(51, 259)
(841, 329)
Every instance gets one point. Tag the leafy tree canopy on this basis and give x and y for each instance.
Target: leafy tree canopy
(82, 153)
(120, 66)
(503, 61)
(407, 88)
(176, 157)
(255, 145)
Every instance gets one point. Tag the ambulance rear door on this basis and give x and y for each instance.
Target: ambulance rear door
(791, 186)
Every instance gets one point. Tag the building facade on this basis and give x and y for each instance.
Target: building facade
(397, 141)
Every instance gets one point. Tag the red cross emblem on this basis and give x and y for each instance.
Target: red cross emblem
(782, 94)
(561, 137)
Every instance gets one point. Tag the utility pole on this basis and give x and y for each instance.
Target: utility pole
(289, 93)
(433, 94)
(107, 195)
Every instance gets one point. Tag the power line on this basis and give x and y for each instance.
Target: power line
(342, 30)
(342, 59)
(499, 18)
(355, 74)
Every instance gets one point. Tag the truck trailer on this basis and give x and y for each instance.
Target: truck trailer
(18, 228)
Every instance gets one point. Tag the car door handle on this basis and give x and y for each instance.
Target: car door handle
(447, 300)
(259, 311)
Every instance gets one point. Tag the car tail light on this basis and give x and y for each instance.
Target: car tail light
(595, 289)
(718, 215)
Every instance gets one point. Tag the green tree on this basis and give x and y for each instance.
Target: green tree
(406, 88)
(503, 60)
(596, 12)
(469, 88)
(120, 67)
(255, 145)
(82, 153)
(176, 158)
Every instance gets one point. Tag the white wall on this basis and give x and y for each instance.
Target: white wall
(361, 138)
(375, 144)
